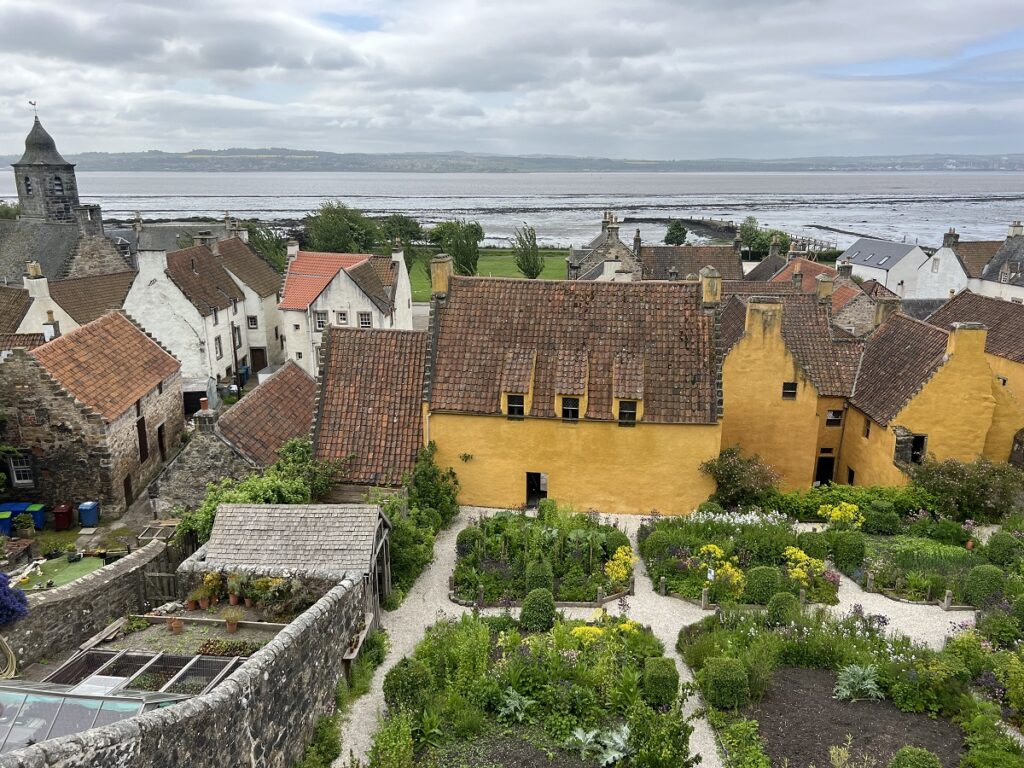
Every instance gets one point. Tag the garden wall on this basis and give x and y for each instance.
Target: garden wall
(60, 619)
(261, 716)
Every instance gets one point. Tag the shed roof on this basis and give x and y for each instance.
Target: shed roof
(766, 269)
(87, 298)
(1004, 320)
(877, 254)
(365, 275)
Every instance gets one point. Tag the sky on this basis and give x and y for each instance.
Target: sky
(652, 79)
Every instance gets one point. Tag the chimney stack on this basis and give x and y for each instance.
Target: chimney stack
(845, 271)
(606, 219)
(673, 273)
(613, 229)
(823, 285)
(737, 244)
(293, 249)
(637, 242)
(885, 307)
(967, 338)
(51, 328)
(764, 316)
(441, 270)
(35, 283)
(775, 247)
(710, 287)
(950, 239)
(1015, 229)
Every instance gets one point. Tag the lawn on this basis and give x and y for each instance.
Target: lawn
(62, 572)
(494, 262)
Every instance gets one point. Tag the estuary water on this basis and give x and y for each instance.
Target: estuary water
(565, 208)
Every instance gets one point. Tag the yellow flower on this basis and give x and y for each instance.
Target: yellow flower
(842, 515)
(620, 567)
(587, 635)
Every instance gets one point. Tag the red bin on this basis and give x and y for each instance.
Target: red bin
(62, 517)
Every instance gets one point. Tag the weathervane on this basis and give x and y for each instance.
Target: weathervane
(34, 110)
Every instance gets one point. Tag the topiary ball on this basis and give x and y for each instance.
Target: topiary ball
(914, 757)
(848, 550)
(724, 682)
(814, 544)
(762, 582)
(660, 682)
(468, 540)
(783, 608)
(538, 611)
(1003, 549)
(984, 584)
(540, 576)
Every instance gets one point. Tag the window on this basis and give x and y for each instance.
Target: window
(341, 316)
(570, 408)
(850, 475)
(236, 334)
(867, 427)
(234, 306)
(789, 390)
(918, 445)
(1004, 276)
(1002, 380)
(627, 413)
(298, 355)
(160, 388)
(21, 471)
(282, 342)
(826, 451)
(28, 186)
(138, 407)
(516, 406)
(140, 429)
(320, 320)
(277, 333)
(217, 348)
(58, 185)
(295, 327)
(834, 419)
(216, 316)
(935, 263)
(253, 322)
(883, 260)
(365, 320)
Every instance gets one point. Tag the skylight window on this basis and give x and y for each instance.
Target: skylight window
(868, 257)
(883, 260)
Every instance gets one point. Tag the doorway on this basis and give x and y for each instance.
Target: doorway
(536, 488)
(161, 442)
(128, 495)
(825, 470)
(259, 359)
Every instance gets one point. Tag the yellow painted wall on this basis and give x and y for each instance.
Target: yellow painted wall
(589, 464)
(755, 416)
(1007, 420)
(871, 458)
(1011, 371)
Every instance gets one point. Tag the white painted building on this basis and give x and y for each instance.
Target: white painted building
(943, 274)
(340, 289)
(896, 266)
(1003, 275)
(261, 284)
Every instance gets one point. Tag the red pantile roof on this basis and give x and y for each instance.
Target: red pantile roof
(756, 287)
(385, 268)
(312, 271)
(87, 298)
(278, 410)
(249, 267)
(578, 330)
(808, 270)
(202, 279)
(1004, 320)
(843, 294)
(9, 341)
(369, 406)
(658, 260)
(107, 364)
(975, 254)
(876, 290)
(14, 304)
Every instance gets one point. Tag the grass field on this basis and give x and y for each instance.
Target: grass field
(494, 262)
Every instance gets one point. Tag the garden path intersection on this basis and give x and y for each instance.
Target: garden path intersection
(428, 600)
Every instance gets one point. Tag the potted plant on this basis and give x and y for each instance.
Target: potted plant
(214, 584)
(203, 595)
(232, 616)
(192, 601)
(24, 526)
(236, 584)
(175, 624)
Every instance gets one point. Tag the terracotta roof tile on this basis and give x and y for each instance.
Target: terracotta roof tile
(249, 267)
(278, 410)
(899, 357)
(876, 290)
(87, 298)
(14, 304)
(312, 271)
(756, 287)
(566, 323)
(628, 376)
(369, 403)
(975, 254)
(843, 294)
(809, 270)
(202, 279)
(1004, 320)
(9, 341)
(687, 260)
(107, 364)
(518, 370)
(365, 276)
(385, 268)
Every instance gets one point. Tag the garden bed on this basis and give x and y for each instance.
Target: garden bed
(502, 748)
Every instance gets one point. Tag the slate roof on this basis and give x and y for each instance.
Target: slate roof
(900, 356)
(278, 410)
(87, 298)
(975, 254)
(1004, 320)
(564, 322)
(333, 538)
(365, 276)
(107, 364)
(1010, 254)
(249, 267)
(920, 309)
(51, 244)
(40, 148)
(879, 254)
(14, 303)
(9, 341)
(657, 260)
(167, 235)
(202, 279)
(828, 358)
(312, 271)
(369, 403)
(766, 269)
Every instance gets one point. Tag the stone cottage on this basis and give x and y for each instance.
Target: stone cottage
(93, 414)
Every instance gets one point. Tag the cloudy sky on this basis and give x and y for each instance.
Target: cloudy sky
(644, 79)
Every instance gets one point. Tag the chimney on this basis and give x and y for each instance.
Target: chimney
(823, 285)
(950, 239)
(1015, 229)
(885, 306)
(764, 316)
(637, 242)
(606, 219)
(710, 287)
(775, 247)
(967, 338)
(613, 229)
(35, 283)
(673, 273)
(441, 270)
(797, 278)
(137, 226)
(737, 244)
(293, 249)
(792, 253)
(205, 237)
(845, 271)
(204, 403)
(51, 328)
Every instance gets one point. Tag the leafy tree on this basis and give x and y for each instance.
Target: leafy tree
(758, 241)
(741, 479)
(9, 210)
(676, 234)
(460, 239)
(430, 487)
(404, 229)
(749, 232)
(525, 253)
(980, 490)
(268, 244)
(336, 228)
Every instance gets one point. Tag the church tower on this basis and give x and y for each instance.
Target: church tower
(47, 189)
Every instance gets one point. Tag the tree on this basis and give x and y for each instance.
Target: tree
(741, 479)
(268, 244)
(404, 229)
(758, 241)
(525, 253)
(336, 228)
(980, 490)
(676, 234)
(460, 239)
(9, 210)
(749, 232)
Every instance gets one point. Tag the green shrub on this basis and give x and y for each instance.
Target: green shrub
(724, 683)
(984, 583)
(407, 685)
(1018, 611)
(540, 576)
(999, 628)
(325, 747)
(881, 519)
(914, 757)
(762, 582)
(814, 544)
(848, 550)
(967, 647)
(740, 480)
(393, 743)
(783, 608)
(948, 532)
(1003, 549)
(660, 682)
(547, 509)
(538, 611)
(469, 540)
(980, 490)
(658, 739)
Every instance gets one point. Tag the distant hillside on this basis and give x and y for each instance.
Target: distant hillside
(274, 159)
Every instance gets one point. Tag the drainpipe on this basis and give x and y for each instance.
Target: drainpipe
(234, 353)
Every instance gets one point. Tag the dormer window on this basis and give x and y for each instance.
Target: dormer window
(570, 409)
(627, 413)
(28, 186)
(516, 408)
(1004, 275)
(935, 263)
(58, 185)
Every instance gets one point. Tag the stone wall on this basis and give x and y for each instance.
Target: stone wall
(95, 255)
(858, 314)
(261, 716)
(61, 619)
(204, 459)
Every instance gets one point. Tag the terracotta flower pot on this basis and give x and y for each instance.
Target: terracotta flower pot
(191, 604)
(216, 599)
(970, 543)
(204, 603)
(231, 627)
(248, 602)
(233, 599)
(175, 625)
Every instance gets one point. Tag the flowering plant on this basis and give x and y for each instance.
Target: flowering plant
(842, 515)
(801, 567)
(722, 572)
(620, 567)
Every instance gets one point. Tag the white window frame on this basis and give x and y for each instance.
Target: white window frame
(21, 471)
(341, 317)
(253, 321)
(320, 319)
(365, 320)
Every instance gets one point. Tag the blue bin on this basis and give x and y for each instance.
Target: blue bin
(38, 512)
(89, 514)
(5, 523)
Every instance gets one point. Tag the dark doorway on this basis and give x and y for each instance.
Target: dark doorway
(259, 359)
(536, 488)
(161, 442)
(825, 470)
(128, 495)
